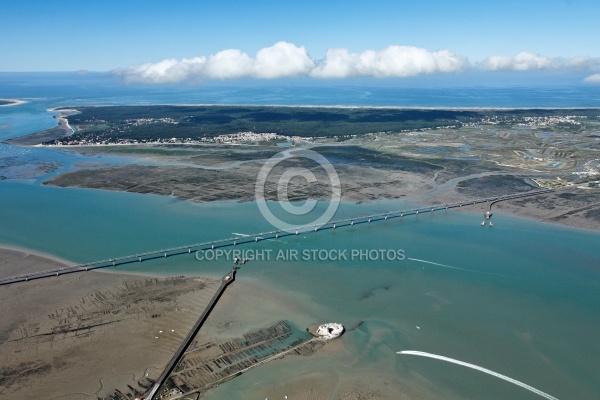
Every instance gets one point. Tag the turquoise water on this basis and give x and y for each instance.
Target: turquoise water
(521, 298)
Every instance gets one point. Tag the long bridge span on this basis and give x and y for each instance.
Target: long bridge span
(253, 238)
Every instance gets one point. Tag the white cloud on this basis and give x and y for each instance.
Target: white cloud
(282, 60)
(227, 64)
(278, 61)
(165, 71)
(595, 78)
(338, 63)
(285, 60)
(586, 63)
(394, 61)
(526, 61)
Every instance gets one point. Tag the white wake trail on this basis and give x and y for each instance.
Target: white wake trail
(449, 266)
(462, 269)
(478, 368)
(441, 265)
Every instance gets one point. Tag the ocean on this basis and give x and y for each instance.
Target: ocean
(521, 299)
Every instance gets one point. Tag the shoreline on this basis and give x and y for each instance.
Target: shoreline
(27, 251)
(13, 102)
(338, 106)
(24, 252)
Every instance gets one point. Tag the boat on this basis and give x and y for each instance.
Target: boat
(491, 224)
(482, 223)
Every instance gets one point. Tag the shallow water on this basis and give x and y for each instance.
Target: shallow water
(521, 298)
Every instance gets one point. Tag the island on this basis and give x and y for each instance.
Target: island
(211, 153)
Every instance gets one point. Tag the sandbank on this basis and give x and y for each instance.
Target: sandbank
(15, 260)
(12, 102)
(86, 335)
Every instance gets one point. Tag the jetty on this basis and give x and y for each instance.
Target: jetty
(154, 392)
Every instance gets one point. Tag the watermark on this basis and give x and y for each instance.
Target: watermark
(240, 256)
(274, 168)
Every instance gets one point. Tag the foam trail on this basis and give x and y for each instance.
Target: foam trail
(446, 266)
(461, 269)
(478, 368)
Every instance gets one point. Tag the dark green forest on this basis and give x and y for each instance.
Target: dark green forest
(146, 123)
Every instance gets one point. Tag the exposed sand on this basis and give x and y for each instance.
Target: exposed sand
(16, 260)
(13, 102)
(83, 335)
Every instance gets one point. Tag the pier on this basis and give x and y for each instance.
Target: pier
(225, 281)
(253, 238)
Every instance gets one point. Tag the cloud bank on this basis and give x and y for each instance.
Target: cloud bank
(286, 60)
(595, 79)
(394, 61)
(526, 61)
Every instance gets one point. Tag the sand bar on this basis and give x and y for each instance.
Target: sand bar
(11, 102)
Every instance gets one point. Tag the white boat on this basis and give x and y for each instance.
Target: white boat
(491, 224)
(482, 223)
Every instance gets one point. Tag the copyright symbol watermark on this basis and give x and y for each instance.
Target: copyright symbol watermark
(290, 178)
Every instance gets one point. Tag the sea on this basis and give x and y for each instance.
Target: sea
(521, 299)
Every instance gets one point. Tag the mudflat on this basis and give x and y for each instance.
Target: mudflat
(88, 334)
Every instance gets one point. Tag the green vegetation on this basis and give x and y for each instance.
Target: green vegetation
(165, 122)
(111, 124)
(350, 155)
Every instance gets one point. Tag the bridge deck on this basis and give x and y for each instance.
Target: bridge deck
(188, 249)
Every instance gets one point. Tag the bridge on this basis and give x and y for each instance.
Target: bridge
(253, 238)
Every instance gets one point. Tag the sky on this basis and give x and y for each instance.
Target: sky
(185, 41)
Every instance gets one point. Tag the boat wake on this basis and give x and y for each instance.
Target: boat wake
(478, 368)
(463, 269)
(438, 264)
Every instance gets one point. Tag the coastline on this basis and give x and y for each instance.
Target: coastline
(28, 251)
(95, 315)
(343, 107)
(13, 102)
(241, 310)
(16, 260)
